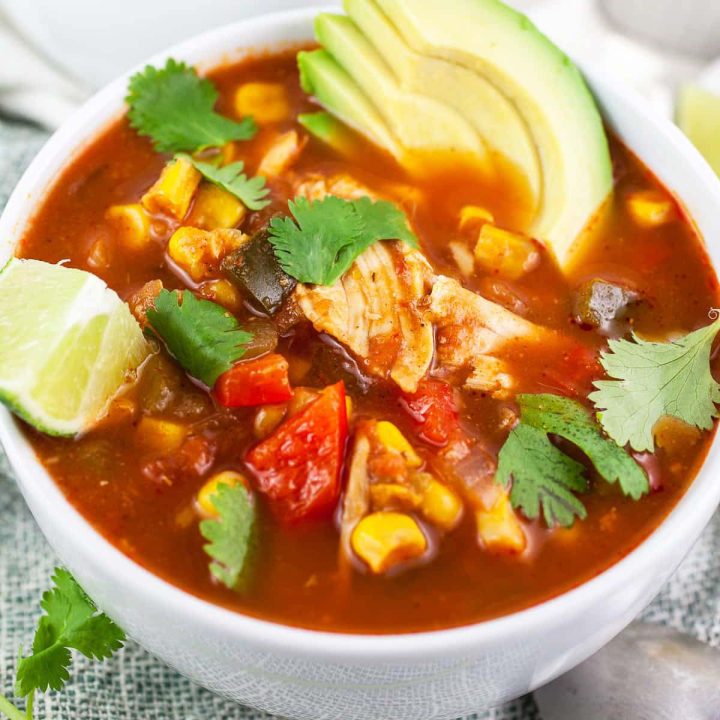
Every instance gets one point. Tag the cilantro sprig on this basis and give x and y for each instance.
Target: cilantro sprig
(542, 478)
(201, 335)
(230, 533)
(655, 379)
(323, 238)
(71, 622)
(252, 192)
(175, 107)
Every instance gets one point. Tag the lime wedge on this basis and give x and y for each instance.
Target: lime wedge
(698, 115)
(67, 345)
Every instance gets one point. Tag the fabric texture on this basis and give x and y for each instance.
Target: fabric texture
(134, 685)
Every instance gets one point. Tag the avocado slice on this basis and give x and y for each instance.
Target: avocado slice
(505, 48)
(420, 122)
(494, 117)
(329, 130)
(323, 78)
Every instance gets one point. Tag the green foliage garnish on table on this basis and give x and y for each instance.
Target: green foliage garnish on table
(232, 178)
(230, 533)
(323, 238)
(71, 622)
(175, 108)
(201, 335)
(544, 479)
(655, 379)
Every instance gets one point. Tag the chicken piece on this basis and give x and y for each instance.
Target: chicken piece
(281, 154)
(356, 503)
(314, 186)
(143, 299)
(375, 310)
(471, 330)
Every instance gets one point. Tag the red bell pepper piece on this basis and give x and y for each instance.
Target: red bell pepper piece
(434, 410)
(299, 466)
(254, 382)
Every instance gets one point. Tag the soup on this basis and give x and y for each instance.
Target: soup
(376, 428)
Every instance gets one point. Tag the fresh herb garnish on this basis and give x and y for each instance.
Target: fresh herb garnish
(250, 191)
(543, 477)
(201, 335)
(71, 622)
(230, 533)
(325, 236)
(174, 107)
(655, 379)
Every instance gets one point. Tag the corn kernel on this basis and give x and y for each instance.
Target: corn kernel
(196, 251)
(173, 191)
(395, 441)
(507, 253)
(215, 208)
(393, 496)
(440, 505)
(266, 102)
(281, 154)
(223, 292)
(473, 216)
(205, 503)
(499, 529)
(267, 418)
(650, 208)
(206, 493)
(160, 436)
(385, 539)
(131, 223)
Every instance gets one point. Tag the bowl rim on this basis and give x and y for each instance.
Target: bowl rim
(687, 518)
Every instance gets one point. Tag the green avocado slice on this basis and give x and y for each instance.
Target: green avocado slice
(417, 120)
(505, 48)
(335, 90)
(494, 117)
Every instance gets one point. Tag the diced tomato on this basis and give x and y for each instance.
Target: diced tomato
(255, 382)
(434, 410)
(574, 373)
(299, 466)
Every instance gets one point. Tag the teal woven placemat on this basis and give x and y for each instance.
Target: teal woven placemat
(134, 685)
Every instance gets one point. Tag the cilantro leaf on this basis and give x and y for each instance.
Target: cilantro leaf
(71, 622)
(230, 533)
(325, 236)
(251, 191)
(174, 107)
(201, 335)
(542, 476)
(655, 379)
(569, 419)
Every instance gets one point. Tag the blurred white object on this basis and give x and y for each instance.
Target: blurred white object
(583, 30)
(691, 26)
(649, 672)
(95, 41)
(29, 87)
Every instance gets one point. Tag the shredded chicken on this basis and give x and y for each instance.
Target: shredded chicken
(374, 309)
(472, 330)
(356, 502)
(390, 310)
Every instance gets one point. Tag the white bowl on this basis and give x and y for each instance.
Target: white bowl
(314, 675)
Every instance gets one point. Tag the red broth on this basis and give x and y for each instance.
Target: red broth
(145, 504)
